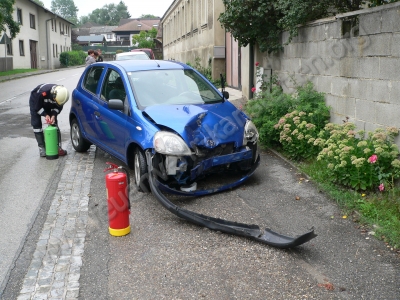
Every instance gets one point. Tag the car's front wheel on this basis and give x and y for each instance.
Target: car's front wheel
(79, 143)
(140, 168)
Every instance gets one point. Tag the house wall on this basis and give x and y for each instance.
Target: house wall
(357, 67)
(53, 41)
(47, 40)
(191, 29)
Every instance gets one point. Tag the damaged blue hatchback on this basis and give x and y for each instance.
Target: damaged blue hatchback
(173, 127)
(168, 108)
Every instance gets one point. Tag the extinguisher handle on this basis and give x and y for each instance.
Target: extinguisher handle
(111, 167)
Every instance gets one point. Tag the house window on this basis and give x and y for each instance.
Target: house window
(19, 15)
(55, 26)
(32, 21)
(109, 36)
(21, 48)
(9, 48)
(54, 52)
(52, 25)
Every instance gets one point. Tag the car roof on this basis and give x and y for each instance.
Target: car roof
(145, 65)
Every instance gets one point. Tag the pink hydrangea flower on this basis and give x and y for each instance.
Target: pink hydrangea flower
(373, 159)
(257, 64)
(381, 187)
(253, 89)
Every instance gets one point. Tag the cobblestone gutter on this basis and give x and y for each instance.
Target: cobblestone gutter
(55, 268)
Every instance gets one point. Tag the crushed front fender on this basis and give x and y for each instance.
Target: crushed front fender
(254, 232)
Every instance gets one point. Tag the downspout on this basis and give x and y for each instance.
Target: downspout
(47, 44)
(251, 70)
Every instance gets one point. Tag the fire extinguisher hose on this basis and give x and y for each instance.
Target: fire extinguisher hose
(128, 185)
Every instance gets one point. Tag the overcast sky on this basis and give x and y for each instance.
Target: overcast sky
(136, 8)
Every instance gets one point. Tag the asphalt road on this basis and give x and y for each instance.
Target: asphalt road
(165, 257)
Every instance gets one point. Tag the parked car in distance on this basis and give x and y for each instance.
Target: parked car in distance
(131, 55)
(148, 51)
(189, 128)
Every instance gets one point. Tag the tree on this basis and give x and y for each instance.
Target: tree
(148, 16)
(145, 39)
(39, 2)
(65, 9)
(374, 3)
(6, 18)
(253, 21)
(109, 14)
(263, 21)
(83, 20)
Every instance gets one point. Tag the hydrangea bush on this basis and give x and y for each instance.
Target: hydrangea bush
(359, 160)
(298, 136)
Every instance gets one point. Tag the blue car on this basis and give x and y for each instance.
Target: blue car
(166, 122)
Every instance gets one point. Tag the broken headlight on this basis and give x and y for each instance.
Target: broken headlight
(250, 133)
(170, 144)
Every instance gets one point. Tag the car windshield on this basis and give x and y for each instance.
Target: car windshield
(132, 56)
(166, 87)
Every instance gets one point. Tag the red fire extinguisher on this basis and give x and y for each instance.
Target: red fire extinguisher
(117, 186)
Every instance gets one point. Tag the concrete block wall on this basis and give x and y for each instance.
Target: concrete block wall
(357, 67)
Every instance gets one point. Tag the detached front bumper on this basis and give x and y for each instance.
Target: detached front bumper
(254, 232)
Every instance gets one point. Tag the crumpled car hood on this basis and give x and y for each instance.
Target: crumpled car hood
(206, 125)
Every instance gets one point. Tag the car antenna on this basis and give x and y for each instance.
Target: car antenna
(158, 65)
(222, 83)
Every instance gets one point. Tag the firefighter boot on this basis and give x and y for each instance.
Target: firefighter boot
(40, 140)
(61, 151)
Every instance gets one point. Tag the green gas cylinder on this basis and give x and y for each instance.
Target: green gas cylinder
(51, 141)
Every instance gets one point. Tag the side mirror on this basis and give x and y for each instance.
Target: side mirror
(117, 104)
(225, 94)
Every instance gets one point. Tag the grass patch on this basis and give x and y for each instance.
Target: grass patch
(379, 212)
(16, 71)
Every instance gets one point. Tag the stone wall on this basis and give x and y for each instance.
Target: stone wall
(354, 58)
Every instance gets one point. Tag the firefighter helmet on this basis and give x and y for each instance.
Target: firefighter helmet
(60, 94)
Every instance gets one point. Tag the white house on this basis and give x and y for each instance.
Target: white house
(43, 36)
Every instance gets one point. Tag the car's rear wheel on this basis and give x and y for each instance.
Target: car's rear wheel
(79, 143)
(140, 169)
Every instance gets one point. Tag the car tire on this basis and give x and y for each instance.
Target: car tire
(79, 143)
(140, 170)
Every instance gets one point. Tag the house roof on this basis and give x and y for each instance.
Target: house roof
(81, 31)
(134, 25)
(147, 21)
(91, 38)
(89, 25)
(137, 25)
(47, 10)
(102, 29)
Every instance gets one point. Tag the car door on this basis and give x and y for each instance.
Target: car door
(88, 102)
(111, 124)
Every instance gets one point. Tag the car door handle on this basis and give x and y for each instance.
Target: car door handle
(97, 114)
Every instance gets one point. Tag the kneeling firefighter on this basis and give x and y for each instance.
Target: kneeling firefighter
(47, 101)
